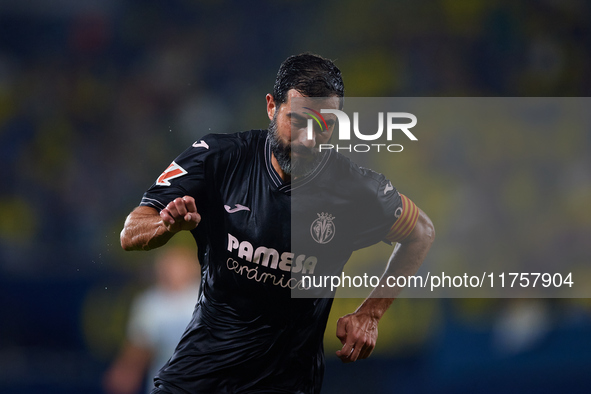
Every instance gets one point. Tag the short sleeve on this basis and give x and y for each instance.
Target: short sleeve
(380, 206)
(184, 176)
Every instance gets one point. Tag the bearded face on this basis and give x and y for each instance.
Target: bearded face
(302, 163)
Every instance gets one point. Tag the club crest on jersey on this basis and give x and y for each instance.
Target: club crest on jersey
(173, 171)
(322, 229)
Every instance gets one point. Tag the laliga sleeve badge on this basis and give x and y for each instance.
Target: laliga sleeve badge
(173, 171)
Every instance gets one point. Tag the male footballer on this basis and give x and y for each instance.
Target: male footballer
(244, 196)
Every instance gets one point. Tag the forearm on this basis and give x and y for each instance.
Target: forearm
(144, 230)
(404, 261)
(147, 229)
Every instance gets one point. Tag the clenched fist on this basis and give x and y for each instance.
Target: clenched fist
(180, 214)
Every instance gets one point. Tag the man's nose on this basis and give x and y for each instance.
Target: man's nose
(307, 140)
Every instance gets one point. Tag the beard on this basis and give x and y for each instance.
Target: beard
(294, 166)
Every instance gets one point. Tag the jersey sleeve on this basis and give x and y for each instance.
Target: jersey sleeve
(397, 214)
(381, 203)
(185, 176)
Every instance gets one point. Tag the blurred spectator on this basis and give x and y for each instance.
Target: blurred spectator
(158, 318)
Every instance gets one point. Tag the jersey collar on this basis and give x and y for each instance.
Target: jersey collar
(287, 187)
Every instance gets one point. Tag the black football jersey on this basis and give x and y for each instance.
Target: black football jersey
(257, 237)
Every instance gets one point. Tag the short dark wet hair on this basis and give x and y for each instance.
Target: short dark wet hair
(311, 75)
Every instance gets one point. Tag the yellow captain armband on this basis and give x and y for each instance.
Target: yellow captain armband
(407, 219)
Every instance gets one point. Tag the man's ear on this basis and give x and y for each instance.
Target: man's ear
(271, 107)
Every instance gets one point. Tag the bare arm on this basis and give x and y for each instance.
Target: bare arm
(358, 331)
(147, 229)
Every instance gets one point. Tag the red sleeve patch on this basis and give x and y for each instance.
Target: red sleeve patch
(173, 171)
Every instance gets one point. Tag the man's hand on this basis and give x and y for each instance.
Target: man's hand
(358, 333)
(145, 229)
(180, 214)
